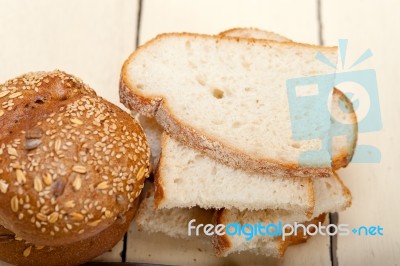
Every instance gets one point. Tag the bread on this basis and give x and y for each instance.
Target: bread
(225, 244)
(71, 163)
(172, 222)
(330, 196)
(187, 178)
(18, 252)
(230, 120)
(254, 33)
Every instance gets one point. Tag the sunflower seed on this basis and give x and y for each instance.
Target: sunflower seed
(31, 144)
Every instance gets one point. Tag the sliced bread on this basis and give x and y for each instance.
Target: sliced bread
(174, 223)
(330, 196)
(187, 178)
(241, 113)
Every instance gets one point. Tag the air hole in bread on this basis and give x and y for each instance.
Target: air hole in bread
(328, 186)
(218, 94)
(296, 145)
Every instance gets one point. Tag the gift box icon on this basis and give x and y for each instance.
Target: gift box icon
(311, 117)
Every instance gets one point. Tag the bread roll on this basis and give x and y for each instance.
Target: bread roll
(19, 252)
(71, 163)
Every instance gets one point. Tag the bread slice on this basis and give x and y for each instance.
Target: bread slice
(254, 33)
(330, 196)
(174, 223)
(241, 116)
(187, 178)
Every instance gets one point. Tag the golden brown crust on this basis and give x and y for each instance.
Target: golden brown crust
(220, 243)
(159, 193)
(237, 31)
(300, 237)
(344, 158)
(346, 190)
(71, 165)
(22, 253)
(132, 97)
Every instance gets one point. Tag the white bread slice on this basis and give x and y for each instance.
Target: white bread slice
(343, 149)
(174, 223)
(330, 196)
(241, 113)
(187, 178)
(254, 33)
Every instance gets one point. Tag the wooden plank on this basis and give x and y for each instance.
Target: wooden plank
(299, 22)
(375, 25)
(89, 39)
(294, 19)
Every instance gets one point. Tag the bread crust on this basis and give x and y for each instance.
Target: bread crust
(12, 251)
(218, 149)
(237, 31)
(71, 162)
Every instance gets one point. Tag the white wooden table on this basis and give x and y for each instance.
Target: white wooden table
(92, 38)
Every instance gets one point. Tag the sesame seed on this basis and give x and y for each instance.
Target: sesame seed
(57, 145)
(41, 217)
(15, 95)
(77, 184)
(79, 169)
(20, 176)
(141, 173)
(4, 93)
(3, 186)
(1, 113)
(14, 204)
(94, 223)
(27, 251)
(39, 247)
(76, 121)
(75, 216)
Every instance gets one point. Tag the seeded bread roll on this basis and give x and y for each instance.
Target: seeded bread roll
(19, 252)
(71, 163)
